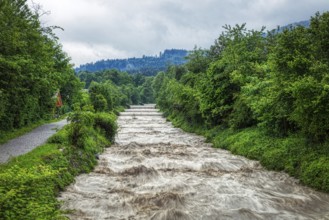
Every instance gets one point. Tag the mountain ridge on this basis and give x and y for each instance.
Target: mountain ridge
(305, 23)
(147, 65)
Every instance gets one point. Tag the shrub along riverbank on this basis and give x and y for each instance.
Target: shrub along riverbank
(29, 184)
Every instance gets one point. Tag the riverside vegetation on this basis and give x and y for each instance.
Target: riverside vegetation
(264, 96)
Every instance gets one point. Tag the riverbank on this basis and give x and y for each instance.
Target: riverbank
(307, 162)
(29, 184)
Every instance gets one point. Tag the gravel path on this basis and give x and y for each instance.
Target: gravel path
(29, 141)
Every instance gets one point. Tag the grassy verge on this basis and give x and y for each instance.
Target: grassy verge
(293, 155)
(5, 136)
(29, 184)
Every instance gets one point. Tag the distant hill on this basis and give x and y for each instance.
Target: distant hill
(300, 23)
(147, 65)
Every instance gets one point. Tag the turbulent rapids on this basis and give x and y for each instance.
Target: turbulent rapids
(156, 171)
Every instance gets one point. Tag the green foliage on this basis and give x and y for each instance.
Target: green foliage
(316, 173)
(158, 81)
(32, 68)
(146, 91)
(60, 137)
(320, 36)
(3, 103)
(80, 127)
(20, 201)
(100, 103)
(278, 82)
(198, 60)
(107, 123)
(311, 107)
(103, 91)
(293, 96)
(118, 88)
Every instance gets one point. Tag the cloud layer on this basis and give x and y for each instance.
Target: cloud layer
(109, 29)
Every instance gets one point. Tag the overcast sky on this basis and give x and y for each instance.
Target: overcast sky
(110, 29)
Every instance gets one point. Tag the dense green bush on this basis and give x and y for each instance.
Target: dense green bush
(107, 123)
(100, 103)
(80, 127)
(118, 88)
(105, 91)
(316, 173)
(20, 201)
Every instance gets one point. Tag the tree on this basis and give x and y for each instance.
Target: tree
(146, 91)
(198, 60)
(221, 101)
(99, 103)
(98, 92)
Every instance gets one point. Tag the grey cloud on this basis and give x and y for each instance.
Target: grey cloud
(102, 29)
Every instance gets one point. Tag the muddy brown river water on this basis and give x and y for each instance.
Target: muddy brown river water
(156, 171)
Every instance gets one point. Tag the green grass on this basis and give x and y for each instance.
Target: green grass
(33, 158)
(293, 154)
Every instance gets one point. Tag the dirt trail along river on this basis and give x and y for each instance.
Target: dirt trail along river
(156, 171)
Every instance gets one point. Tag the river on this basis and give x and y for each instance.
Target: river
(155, 171)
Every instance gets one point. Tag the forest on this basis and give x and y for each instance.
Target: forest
(261, 95)
(147, 65)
